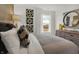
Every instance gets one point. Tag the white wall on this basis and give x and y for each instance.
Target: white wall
(56, 12)
(59, 10)
(52, 22)
(21, 11)
(59, 14)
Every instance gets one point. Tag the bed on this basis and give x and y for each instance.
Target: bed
(34, 46)
(60, 45)
(56, 46)
(4, 27)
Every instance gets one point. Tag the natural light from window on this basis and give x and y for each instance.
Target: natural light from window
(46, 25)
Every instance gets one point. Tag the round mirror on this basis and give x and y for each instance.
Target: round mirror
(71, 19)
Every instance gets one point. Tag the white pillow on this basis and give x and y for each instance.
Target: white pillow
(11, 40)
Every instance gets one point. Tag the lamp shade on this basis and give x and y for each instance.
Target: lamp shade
(15, 18)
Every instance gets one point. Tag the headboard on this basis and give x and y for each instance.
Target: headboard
(4, 27)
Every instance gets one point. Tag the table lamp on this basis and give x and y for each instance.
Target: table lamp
(15, 20)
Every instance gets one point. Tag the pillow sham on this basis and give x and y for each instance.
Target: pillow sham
(11, 40)
(23, 34)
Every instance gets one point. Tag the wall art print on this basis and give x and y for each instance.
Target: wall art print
(29, 28)
(29, 19)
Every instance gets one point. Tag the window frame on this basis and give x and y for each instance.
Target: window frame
(49, 29)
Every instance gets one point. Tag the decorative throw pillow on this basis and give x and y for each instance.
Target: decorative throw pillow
(11, 40)
(23, 35)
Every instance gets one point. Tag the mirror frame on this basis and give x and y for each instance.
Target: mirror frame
(67, 14)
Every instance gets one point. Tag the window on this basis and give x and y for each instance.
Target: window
(46, 25)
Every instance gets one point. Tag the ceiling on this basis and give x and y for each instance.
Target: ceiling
(52, 6)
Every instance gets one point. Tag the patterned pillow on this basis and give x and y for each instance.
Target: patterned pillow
(23, 35)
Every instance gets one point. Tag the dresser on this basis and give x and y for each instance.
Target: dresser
(69, 35)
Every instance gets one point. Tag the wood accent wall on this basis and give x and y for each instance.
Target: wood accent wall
(6, 11)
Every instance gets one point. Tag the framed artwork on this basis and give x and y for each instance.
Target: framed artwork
(29, 13)
(29, 28)
(29, 19)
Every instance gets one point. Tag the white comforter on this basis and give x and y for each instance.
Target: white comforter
(57, 45)
(34, 47)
